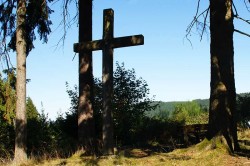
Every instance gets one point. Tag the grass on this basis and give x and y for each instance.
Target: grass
(192, 156)
(200, 154)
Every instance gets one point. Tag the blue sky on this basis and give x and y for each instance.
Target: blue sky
(173, 69)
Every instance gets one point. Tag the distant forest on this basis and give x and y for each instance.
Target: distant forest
(170, 106)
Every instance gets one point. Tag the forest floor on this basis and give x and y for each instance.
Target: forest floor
(192, 156)
(140, 157)
(197, 155)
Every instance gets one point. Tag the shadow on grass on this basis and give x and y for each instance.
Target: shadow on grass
(90, 161)
(245, 148)
(136, 153)
(128, 156)
(178, 157)
(244, 153)
(144, 151)
(141, 153)
(62, 163)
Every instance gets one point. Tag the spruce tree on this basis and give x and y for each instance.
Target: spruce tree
(18, 20)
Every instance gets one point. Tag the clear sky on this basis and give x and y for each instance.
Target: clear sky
(173, 69)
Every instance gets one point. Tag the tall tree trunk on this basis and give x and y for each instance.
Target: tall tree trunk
(21, 122)
(86, 127)
(222, 94)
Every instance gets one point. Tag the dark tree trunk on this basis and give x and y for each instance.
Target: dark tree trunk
(86, 128)
(21, 122)
(223, 93)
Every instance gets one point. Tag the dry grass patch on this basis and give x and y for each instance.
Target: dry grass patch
(200, 154)
(139, 157)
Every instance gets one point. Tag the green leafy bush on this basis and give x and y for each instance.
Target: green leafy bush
(243, 110)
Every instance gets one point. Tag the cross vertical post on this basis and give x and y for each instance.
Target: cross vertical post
(107, 44)
(107, 79)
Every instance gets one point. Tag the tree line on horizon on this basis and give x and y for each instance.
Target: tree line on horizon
(131, 122)
(138, 119)
(20, 19)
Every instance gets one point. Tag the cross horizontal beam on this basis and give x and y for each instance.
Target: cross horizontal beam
(107, 44)
(119, 42)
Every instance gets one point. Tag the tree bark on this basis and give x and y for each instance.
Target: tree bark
(86, 128)
(223, 92)
(20, 121)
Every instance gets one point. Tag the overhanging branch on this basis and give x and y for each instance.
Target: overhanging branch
(201, 26)
(247, 7)
(67, 21)
(242, 19)
(204, 23)
(240, 32)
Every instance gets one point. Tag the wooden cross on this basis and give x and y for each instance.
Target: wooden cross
(107, 44)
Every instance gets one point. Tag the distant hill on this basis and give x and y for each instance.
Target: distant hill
(244, 94)
(203, 102)
(169, 106)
